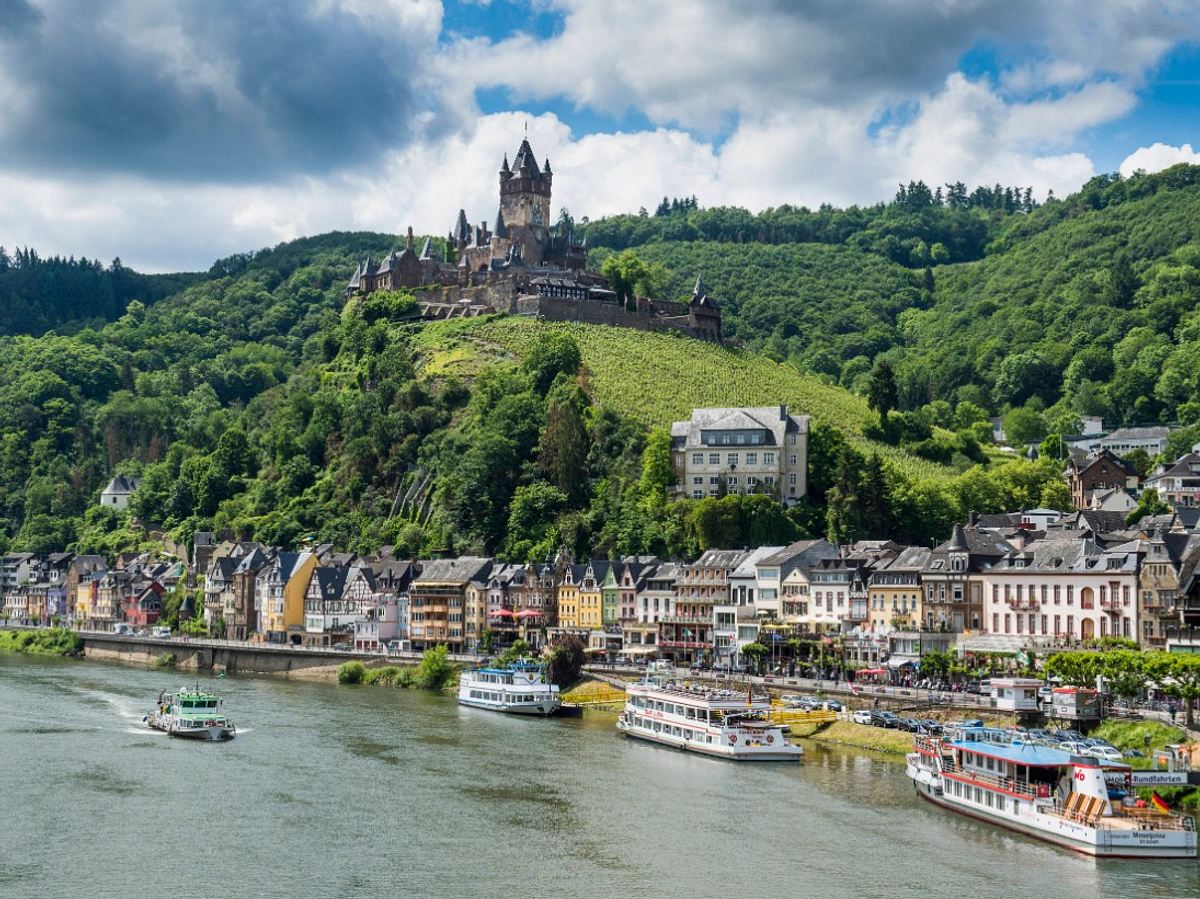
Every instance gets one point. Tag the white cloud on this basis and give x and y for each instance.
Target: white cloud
(1157, 157)
(796, 90)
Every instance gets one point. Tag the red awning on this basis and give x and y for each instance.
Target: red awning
(501, 613)
(529, 613)
(871, 671)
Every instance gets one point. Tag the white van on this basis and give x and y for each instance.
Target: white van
(121, 629)
(160, 632)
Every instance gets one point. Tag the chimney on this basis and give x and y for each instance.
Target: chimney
(972, 518)
(783, 411)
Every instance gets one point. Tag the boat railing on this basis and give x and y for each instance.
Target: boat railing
(1008, 784)
(1149, 819)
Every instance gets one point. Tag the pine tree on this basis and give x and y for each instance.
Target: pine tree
(564, 443)
(882, 394)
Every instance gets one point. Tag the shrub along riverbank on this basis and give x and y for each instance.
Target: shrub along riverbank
(58, 641)
(433, 672)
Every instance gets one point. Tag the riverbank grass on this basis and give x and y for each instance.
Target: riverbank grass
(859, 736)
(57, 641)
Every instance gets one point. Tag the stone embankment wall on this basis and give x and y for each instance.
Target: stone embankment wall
(220, 655)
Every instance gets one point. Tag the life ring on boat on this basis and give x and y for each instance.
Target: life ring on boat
(732, 738)
(770, 738)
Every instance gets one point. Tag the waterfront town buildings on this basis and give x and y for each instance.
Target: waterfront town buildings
(1031, 578)
(992, 584)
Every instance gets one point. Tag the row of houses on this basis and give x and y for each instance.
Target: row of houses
(999, 583)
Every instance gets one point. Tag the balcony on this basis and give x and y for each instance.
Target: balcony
(1029, 604)
(1110, 604)
(686, 619)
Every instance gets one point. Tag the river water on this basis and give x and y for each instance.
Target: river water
(364, 791)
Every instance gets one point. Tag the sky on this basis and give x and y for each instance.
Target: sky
(171, 133)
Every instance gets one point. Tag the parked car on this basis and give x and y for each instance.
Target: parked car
(793, 700)
(1073, 747)
(885, 719)
(1108, 753)
(912, 725)
(830, 705)
(969, 722)
(1133, 754)
(929, 726)
(160, 632)
(122, 629)
(862, 716)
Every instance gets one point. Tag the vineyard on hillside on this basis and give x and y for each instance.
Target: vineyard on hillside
(659, 378)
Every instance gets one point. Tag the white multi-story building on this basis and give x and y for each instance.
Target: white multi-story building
(1151, 439)
(1064, 586)
(754, 449)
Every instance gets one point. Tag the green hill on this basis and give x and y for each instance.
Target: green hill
(1084, 305)
(257, 400)
(656, 378)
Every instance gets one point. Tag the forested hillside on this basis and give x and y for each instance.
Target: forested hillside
(1078, 306)
(259, 401)
(38, 294)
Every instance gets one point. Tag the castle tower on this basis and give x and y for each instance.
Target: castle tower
(525, 190)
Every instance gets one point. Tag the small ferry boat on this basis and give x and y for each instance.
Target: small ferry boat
(1076, 802)
(724, 723)
(518, 689)
(191, 713)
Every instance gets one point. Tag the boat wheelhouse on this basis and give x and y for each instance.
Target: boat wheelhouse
(518, 689)
(1077, 802)
(722, 723)
(191, 713)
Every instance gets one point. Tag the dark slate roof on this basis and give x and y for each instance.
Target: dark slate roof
(958, 540)
(122, 485)
(331, 582)
(462, 228)
(1180, 468)
(461, 570)
(802, 552)
(500, 230)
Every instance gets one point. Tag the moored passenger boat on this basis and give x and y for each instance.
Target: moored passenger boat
(721, 723)
(518, 689)
(191, 713)
(1076, 802)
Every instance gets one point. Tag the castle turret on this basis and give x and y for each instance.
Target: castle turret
(525, 191)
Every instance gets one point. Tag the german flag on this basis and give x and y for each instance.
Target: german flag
(1158, 802)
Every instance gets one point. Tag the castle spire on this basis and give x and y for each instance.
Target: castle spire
(409, 243)
(500, 230)
(504, 169)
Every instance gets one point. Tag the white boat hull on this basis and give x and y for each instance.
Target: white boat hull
(1099, 843)
(210, 732)
(543, 707)
(787, 752)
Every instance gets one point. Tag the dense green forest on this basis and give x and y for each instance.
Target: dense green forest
(38, 294)
(256, 399)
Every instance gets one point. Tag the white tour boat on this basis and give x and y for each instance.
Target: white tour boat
(191, 713)
(519, 689)
(1076, 802)
(722, 723)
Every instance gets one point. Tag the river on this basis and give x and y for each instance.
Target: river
(335, 791)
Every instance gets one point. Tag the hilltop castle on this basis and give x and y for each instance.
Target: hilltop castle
(524, 265)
